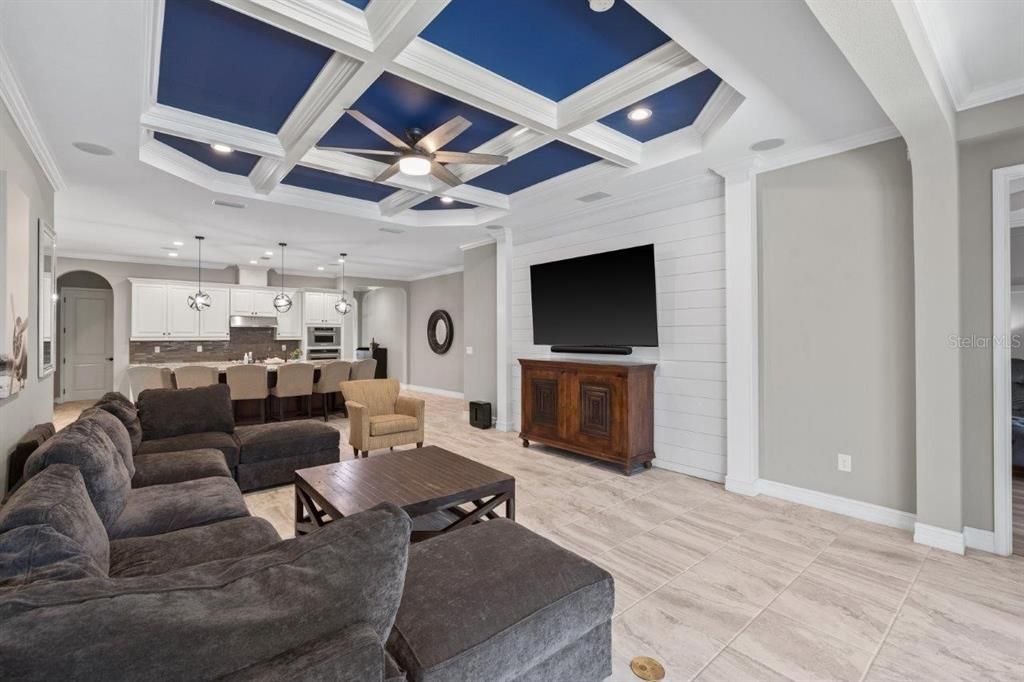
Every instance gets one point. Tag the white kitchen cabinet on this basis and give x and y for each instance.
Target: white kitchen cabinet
(249, 302)
(149, 310)
(331, 313)
(313, 307)
(263, 299)
(289, 324)
(213, 322)
(182, 321)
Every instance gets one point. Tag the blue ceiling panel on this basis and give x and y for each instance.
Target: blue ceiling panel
(675, 107)
(397, 104)
(435, 204)
(236, 162)
(220, 63)
(541, 164)
(332, 183)
(359, 4)
(553, 47)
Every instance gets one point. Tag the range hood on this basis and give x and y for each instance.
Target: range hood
(254, 321)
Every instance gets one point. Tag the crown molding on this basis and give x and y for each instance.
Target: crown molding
(992, 93)
(13, 97)
(181, 123)
(336, 25)
(438, 273)
(722, 104)
(152, 36)
(477, 244)
(818, 151)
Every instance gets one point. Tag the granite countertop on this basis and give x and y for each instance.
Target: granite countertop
(221, 365)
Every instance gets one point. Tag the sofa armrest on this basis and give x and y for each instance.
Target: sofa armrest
(358, 425)
(353, 654)
(409, 406)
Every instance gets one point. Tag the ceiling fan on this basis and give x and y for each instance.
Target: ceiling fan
(419, 153)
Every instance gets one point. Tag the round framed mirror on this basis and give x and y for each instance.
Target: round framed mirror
(440, 331)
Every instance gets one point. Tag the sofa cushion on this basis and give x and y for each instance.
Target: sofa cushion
(214, 440)
(116, 432)
(161, 468)
(262, 442)
(163, 508)
(125, 410)
(57, 497)
(23, 449)
(385, 424)
(31, 554)
(86, 445)
(271, 472)
(156, 554)
(169, 412)
(213, 619)
(517, 616)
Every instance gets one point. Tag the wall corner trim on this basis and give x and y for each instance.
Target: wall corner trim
(865, 511)
(981, 540)
(939, 538)
(741, 487)
(13, 97)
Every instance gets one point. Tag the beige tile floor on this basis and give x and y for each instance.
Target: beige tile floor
(723, 587)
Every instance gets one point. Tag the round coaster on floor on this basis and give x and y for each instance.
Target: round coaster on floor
(647, 668)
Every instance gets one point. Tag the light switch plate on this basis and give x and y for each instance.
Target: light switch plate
(199, 349)
(469, 350)
(284, 347)
(156, 349)
(845, 462)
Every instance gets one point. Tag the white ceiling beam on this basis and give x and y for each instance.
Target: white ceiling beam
(181, 123)
(660, 68)
(331, 23)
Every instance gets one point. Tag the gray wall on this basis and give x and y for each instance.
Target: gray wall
(426, 368)
(479, 305)
(837, 307)
(33, 404)
(977, 160)
(384, 317)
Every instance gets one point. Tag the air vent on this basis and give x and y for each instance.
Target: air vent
(594, 196)
(391, 230)
(227, 204)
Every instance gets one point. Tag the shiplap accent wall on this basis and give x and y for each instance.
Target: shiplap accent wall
(686, 224)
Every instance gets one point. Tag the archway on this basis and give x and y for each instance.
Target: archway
(85, 342)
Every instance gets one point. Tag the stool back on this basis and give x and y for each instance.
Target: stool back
(294, 379)
(364, 369)
(194, 376)
(331, 376)
(248, 382)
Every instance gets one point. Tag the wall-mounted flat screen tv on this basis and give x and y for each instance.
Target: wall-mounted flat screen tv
(606, 299)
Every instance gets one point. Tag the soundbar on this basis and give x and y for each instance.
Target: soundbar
(594, 350)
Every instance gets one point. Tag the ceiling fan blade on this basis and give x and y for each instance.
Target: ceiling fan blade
(348, 150)
(393, 140)
(464, 157)
(444, 175)
(388, 172)
(442, 135)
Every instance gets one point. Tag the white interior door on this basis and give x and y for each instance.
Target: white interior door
(88, 363)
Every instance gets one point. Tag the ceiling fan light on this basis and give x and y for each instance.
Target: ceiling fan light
(414, 165)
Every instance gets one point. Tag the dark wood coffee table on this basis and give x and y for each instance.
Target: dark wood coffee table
(455, 491)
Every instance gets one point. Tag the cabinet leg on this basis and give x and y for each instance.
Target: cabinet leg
(526, 443)
(355, 453)
(648, 464)
(419, 444)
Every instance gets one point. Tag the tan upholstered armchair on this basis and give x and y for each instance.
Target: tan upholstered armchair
(379, 417)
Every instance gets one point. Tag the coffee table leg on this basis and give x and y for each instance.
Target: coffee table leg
(510, 507)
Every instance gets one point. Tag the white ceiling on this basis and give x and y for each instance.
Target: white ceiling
(81, 67)
(979, 45)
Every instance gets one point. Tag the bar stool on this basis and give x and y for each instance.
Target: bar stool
(141, 378)
(195, 376)
(364, 369)
(294, 380)
(329, 386)
(249, 382)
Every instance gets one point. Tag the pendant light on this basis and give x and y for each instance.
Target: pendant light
(343, 305)
(282, 302)
(200, 300)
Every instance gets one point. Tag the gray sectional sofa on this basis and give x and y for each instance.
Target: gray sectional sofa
(101, 578)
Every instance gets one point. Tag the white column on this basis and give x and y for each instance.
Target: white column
(741, 319)
(503, 311)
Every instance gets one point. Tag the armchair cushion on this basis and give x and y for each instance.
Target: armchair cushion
(216, 618)
(169, 412)
(385, 424)
(378, 395)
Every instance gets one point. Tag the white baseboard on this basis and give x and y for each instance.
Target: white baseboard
(436, 391)
(748, 488)
(864, 511)
(939, 538)
(503, 426)
(982, 540)
(689, 471)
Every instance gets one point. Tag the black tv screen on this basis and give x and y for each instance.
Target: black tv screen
(607, 299)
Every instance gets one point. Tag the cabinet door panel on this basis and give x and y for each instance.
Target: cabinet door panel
(182, 321)
(313, 307)
(541, 403)
(213, 322)
(241, 302)
(600, 406)
(263, 302)
(289, 324)
(149, 310)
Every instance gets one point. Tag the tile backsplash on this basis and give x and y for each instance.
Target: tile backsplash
(259, 341)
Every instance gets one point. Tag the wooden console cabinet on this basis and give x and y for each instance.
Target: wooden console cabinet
(598, 409)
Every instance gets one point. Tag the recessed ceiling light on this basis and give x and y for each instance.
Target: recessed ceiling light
(173, 254)
(91, 148)
(268, 253)
(639, 114)
(254, 262)
(320, 267)
(447, 200)
(341, 260)
(221, 148)
(178, 243)
(601, 5)
(765, 145)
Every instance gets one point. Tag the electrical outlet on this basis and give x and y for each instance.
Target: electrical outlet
(199, 349)
(284, 346)
(845, 462)
(469, 350)
(156, 349)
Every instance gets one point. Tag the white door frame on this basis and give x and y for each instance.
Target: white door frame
(1002, 433)
(63, 293)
